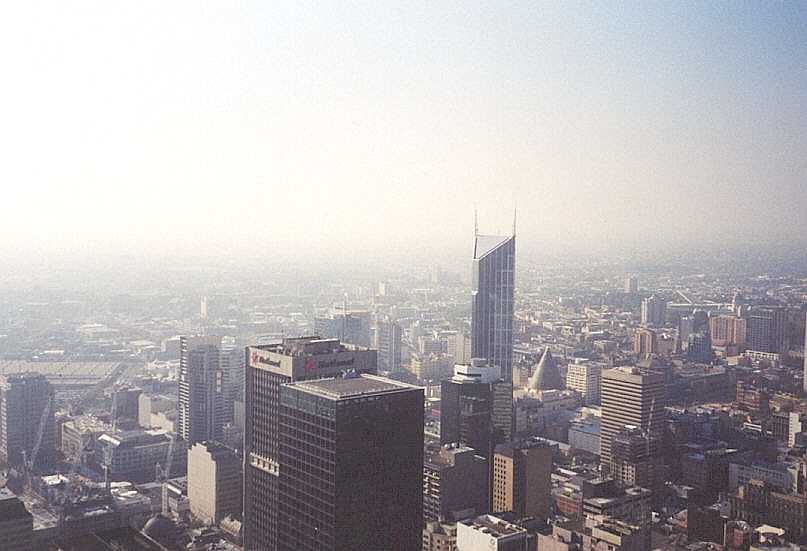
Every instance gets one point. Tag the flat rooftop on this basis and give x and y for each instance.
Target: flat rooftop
(493, 526)
(352, 386)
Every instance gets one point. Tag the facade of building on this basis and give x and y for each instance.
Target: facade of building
(387, 341)
(492, 301)
(645, 342)
(766, 329)
(455, 483)
(654, 311)
(134, 455)
(439, 536)
(476, 408)
(584, 377)
(16, 523)
(490, 533)
(214, 482)
(728, 330)
(268, 367)
(757, 503)
(24, 398)
(632, 463)
(351, 465)
(156, 411)
(522, 479)
(631, 397)
(202, 389)
(125, 403)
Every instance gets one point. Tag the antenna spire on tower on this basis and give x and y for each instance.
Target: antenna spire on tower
(476, 222)
(515, 212)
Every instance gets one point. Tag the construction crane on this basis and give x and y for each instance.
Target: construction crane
(40, 433)
(164, 474)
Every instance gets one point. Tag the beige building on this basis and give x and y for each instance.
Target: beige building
(522, 479)
(214, 482)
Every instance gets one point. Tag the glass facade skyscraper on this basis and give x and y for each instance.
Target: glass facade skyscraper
(492, 307)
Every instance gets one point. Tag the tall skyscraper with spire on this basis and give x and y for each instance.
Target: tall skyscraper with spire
(492, 308)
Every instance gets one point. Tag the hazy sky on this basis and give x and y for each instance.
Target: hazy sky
(261, 126)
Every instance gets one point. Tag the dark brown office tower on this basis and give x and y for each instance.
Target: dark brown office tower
(268, 367)
(351, 459)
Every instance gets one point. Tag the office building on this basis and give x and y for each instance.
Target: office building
(26, 412)
(631, 284)
(455, 483)
(804, 372)
(476, 408)
(459, 348)
(214, 482)
(631, 397)
(490, 533)
(202, 389)
(439, 536)
(387, 341)
(645, 342)
(632, 463)
(654, 311)
(136, 455)
(522, 479)
(758, 503)
(492, 303)
(16, 523)
(125, 403)
(728, 330)
(231, 364)
(268, 367)
(584, 376)
(766, 329)
(604, 502)
(351, 465)
(351, 328)
(157, 411)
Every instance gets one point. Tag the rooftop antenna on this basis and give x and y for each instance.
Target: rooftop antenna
(515, 212)
(476, 222)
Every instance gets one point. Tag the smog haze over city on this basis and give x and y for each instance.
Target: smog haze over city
(338, 130)
(420, 276)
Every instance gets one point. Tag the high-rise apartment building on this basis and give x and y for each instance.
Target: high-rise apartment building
(522, 479)
(268, 367)
(202, 389)
(26, 401)
(584, 377)
(351, 465)
(492, 304)
(386, 340)
(16, 523)
(631, 397)
(766, 329)
(214, 482)
(455, 483)
(476, 408)
(654, 311)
